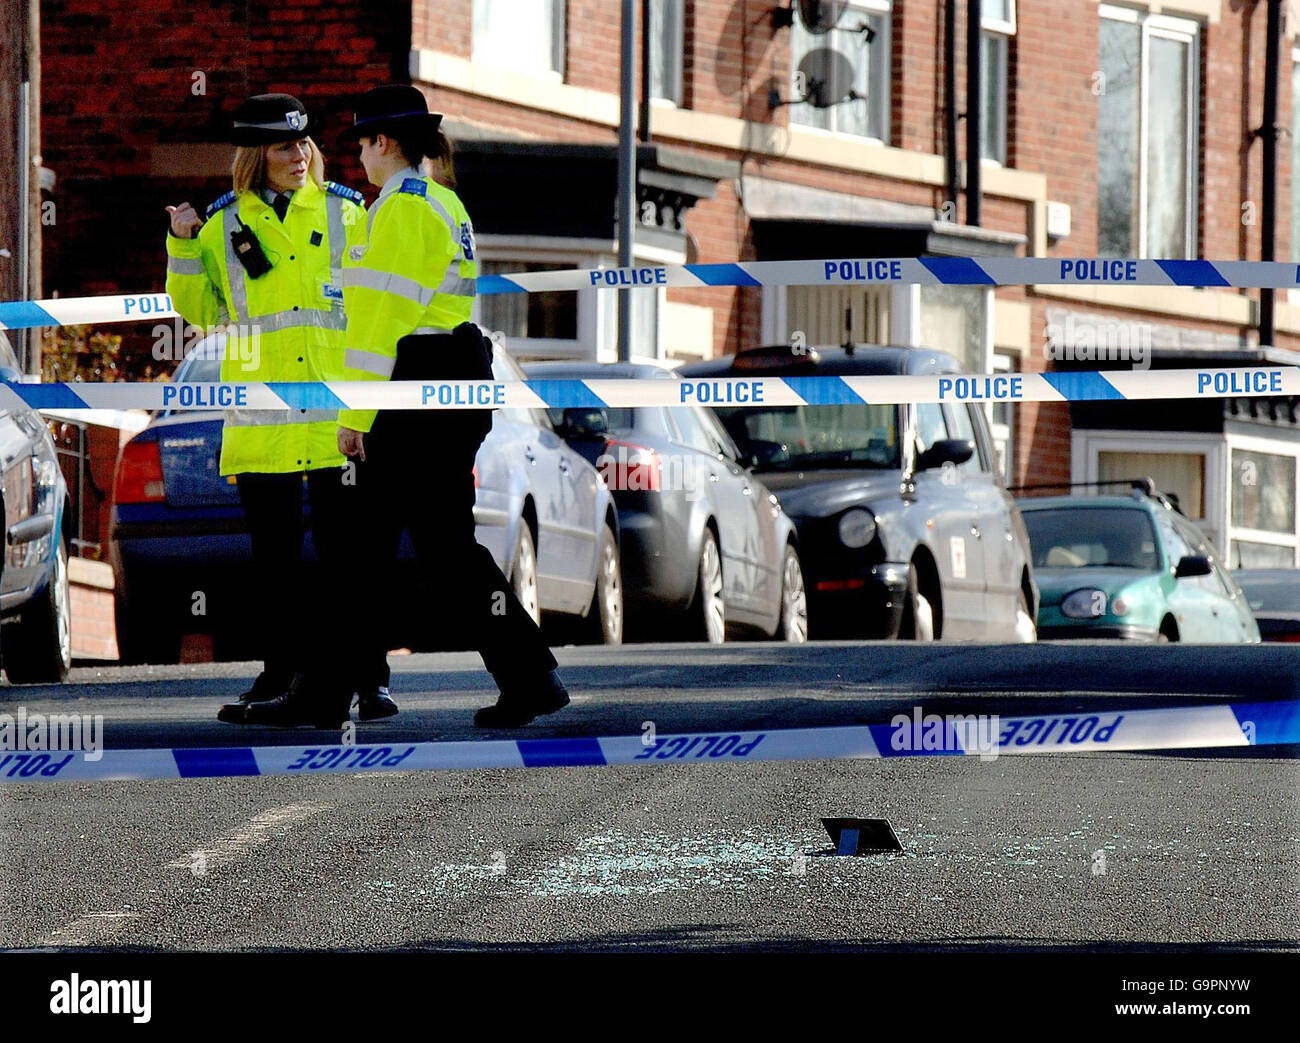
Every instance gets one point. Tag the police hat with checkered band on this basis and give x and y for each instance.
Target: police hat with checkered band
(397, 109)
(266, 119)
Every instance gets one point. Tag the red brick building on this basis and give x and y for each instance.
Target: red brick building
(1124, 130)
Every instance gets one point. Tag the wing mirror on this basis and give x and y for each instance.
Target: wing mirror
(945, 451)
(1192, 565)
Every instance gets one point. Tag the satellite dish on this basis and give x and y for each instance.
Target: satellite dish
(820, 16)
(828, 77)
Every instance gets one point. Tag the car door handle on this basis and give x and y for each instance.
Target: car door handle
(529, 455)
(564, 465)
(713, 476)
(974, 531)
(747, 491)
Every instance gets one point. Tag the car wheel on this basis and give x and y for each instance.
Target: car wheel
(794, 600)
(604, 622)
(523, 572)
(1026, 627)
(41, 649)
(708, 615)
(918, 613)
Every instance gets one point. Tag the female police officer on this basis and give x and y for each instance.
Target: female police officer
(408, 296)
(268, 263)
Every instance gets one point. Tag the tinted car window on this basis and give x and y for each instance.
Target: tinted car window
(962, 426)
(860, 435)
(931, 426)
(693, 433)
(1118, 537)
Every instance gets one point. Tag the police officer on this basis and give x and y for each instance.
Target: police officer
(408, 296)
(267, 263)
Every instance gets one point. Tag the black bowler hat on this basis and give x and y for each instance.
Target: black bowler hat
(265, 119)
(393, 109)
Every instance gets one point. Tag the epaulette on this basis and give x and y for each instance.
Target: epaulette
(220, 204)
(334, 188)
(415, 185)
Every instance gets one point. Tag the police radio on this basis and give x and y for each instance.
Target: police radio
(249, 252)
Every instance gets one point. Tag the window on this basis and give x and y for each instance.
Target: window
(1002, 419)
(955, 319)
(547, 316)
(526, 35)
(666, 49)
(997, 25)
(962, 426)
(867, 115)
(1182, 474)
(931, 427)
(1263, 492)
(1146, 138)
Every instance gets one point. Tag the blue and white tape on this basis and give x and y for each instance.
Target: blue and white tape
(756, 391)
(833, 271)
(1107, 731)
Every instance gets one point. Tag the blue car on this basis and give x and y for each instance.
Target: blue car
(36, 638)
(182, 556)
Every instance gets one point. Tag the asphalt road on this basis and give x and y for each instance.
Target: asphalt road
(1114, 852)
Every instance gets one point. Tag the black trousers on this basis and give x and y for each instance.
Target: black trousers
(418, 478)
(294, 611)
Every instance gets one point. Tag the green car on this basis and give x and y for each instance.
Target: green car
(1130, 568)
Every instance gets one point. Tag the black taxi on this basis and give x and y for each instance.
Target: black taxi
(905, 527)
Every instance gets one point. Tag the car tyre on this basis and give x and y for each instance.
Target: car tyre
(707, 615)
(40, 651)
(918, 613)
(793, 626)
(523, 572)
(604, 620)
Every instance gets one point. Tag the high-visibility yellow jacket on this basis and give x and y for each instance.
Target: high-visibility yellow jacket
(415, 274)
(286, 325)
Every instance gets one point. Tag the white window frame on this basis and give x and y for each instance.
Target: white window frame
(597, 338)
(679, 45)
(1293, 295)
(1005, 29)
(1181, 30)
(1003, 435)
(1086, 445)
(1254, 443)
(876, 7)
(558, 52)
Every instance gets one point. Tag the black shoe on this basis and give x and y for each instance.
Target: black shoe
(300, 705)
(519, 704)
(261, 692)
(374, 704)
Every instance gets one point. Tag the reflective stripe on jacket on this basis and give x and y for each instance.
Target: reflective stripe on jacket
(416, 274)
(287, 325)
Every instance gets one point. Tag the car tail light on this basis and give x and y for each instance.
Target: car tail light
(139, 477)
(626, 466)
(475, 471)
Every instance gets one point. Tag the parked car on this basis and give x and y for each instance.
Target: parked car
(1131, 568)
(35, 607)
(181, 550)
(1274, 599)
(905, 528)
(703, 540)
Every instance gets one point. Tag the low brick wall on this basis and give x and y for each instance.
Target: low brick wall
(91, 589)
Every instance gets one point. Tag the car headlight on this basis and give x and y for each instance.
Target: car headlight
(1084, 604)
(857, 528)
(1119, 605)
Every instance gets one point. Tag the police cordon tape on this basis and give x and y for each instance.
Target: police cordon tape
(598, 393)
(925, 271)
(1198, 727)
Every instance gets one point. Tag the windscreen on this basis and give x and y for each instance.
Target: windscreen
(857, 435)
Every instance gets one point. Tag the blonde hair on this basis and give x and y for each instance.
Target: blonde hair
(441, 165)
(249, 168)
